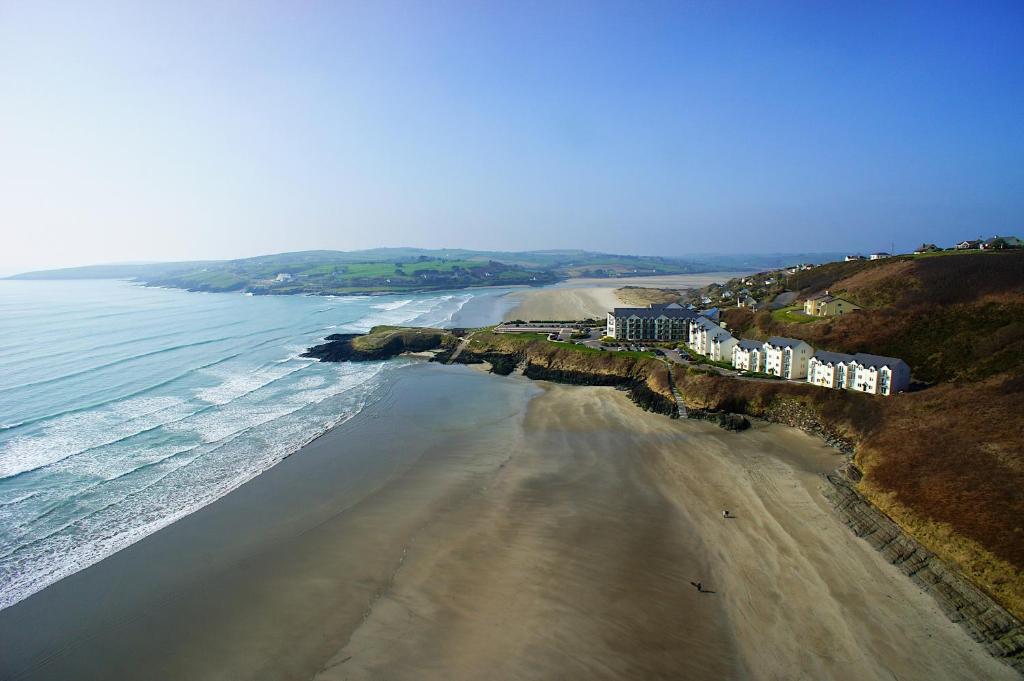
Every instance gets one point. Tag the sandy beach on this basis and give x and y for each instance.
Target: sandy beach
(581, 298)
(481, 527)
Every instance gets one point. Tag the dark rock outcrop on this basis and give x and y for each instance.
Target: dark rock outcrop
(725, 420)
(380, 343)
(338, 348)
(985, 620)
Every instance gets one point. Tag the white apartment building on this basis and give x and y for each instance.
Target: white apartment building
(748, 355)
(872, 374)
(830, 369)
(702, 332)
(879, 375)
(722, 344)
(786, 357)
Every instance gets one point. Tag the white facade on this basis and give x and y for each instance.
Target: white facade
(830, 370)
(721, 346)
(786, 357)
(861, 372)
(748, 356)
(879, 375)
(703, 332)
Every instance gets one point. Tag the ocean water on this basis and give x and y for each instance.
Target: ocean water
(124, 408)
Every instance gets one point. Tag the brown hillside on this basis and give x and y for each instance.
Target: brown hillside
(947, 462)
(950, 317)
(948, 279)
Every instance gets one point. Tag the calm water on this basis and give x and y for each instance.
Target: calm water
(123, 408)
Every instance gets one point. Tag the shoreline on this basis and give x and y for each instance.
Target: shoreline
(312, 567)
(580, 298)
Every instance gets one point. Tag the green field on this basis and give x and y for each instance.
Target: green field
(793, 315)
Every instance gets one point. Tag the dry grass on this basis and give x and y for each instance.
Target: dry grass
(945, 463)
(953, 455)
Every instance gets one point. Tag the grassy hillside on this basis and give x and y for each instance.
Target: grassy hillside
(946, 462)
(401, 269)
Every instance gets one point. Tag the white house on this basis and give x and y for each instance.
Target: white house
(862, 372)
(879, 256)
(968, 245)
(702, 332)
(830, 369)
(748, 355)
(786, 357)
(851, 258)
(879, 375)
(722, 344)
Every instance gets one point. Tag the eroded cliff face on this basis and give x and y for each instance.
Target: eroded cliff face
(380, 343)
(645, 379)
(984, 619)
(843, 423)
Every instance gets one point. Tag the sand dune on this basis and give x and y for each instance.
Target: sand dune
(582, 298)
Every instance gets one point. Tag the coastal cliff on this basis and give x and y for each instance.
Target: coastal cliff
(855, 425)
(985, 620)
(382, 342)
(643, 377)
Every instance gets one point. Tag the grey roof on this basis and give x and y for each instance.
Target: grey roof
(707, 323)
(721, 335)
(877, 361)
(654, 312)
(750, 344)
(782, 342)
(827, 357)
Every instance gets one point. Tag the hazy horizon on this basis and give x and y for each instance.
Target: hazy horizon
(190, 132)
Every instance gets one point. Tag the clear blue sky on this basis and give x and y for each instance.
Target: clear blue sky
(135, 131)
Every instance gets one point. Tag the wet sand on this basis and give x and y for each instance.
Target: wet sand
(479, 527)
(593, 298)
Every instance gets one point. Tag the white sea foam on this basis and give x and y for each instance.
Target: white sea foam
(77, 487)
(75, 433)
(55, 550)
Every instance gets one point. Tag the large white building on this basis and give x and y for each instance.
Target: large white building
(666, 322)
(872, 374)
(879, 375)
(748, 355)
(786, 357)
(703, 332)
(829, 369)
(722, 344)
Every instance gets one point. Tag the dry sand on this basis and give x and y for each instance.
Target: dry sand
(575, 562)
(459, 529)
(593, 298)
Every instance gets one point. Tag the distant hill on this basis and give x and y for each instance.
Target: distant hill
(405, 269)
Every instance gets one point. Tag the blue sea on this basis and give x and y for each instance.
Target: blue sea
(124, 408)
